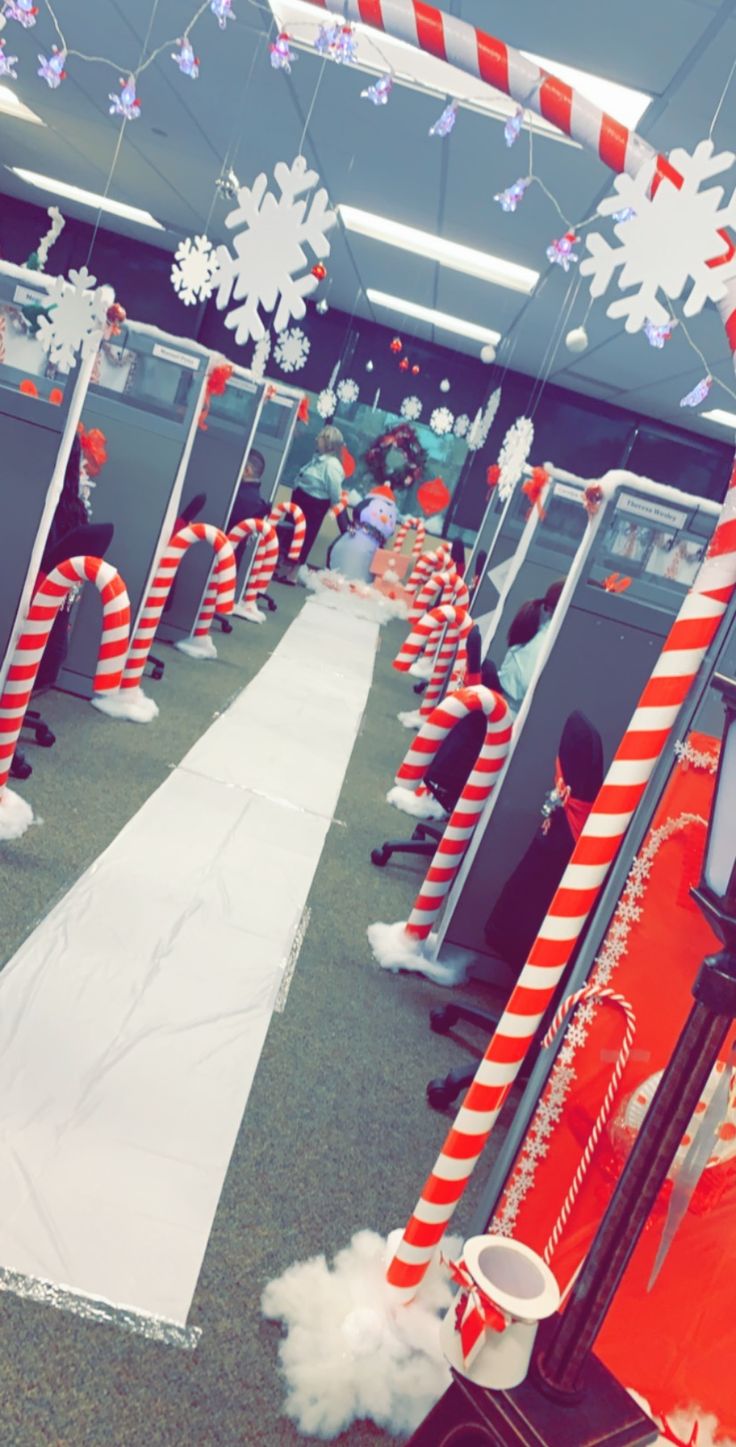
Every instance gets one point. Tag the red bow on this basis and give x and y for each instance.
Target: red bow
(592, 498)
(616, 583)
(94, 446)
(302, 414)
(475, 1313)
(493, 475)
(534, 487)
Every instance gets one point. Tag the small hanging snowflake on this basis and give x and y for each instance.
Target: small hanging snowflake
(24, 11)
(483, 422)
(657, 336)
(7, 63)
(76, 321)
(338, 43)
(327, 402)
(673, 237)
(267, 269)
(515, 450)
(462, 424)
(513, 126)
(185, 58)
(445, 123)
(698, 394)
(379, 92)
(509, 199)
(411, 409)
(51, 68)
(442, 421)
(348, 391)
(282, 55)
(292, 349)
(127, 103)
(560, 252)
(222, 11)
(261, 354)
(194, 273)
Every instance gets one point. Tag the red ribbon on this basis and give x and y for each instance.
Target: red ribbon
(475, 1313)
(576, 810)
(616, 583)
(534, 487)
(592, 498)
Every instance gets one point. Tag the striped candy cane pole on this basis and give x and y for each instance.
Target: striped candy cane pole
(428, 564)
(439, 588)
(220, 595)
(47, 600)
(408, 525)
(339, 506)
(300, 526)
(590, 992)
(451, 653)
(264, 562)
(221, 587)
(599, 842)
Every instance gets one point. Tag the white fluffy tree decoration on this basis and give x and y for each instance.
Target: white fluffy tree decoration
(52, 235)
(483, 422)
(515, 450)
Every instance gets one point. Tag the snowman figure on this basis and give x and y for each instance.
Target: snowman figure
(374, 522)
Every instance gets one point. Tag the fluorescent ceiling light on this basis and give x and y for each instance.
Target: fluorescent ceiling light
(448, 253)
(620, 101)
(441, 320)
(12, 105)
(724, 419)
(87, 198)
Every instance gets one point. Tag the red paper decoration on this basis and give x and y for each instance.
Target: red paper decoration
(433, 496)
(56, 397)
(348, 462)
(319, 270)
(28, 388)
(404, 364)
(493, 474)
(94, 446)
(396, 344)
(302, 414)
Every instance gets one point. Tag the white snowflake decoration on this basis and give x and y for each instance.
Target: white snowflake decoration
(462, 424)
(515, 449)
(348, 391)
(441, 421)
(327, 402)
(77, 320)
(292, 349)
(669, 240)
(259, 360)
(194, 272)
(268, 268)
(411, 409)
(483, 422)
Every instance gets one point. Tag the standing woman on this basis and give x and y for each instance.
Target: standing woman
(318, 487)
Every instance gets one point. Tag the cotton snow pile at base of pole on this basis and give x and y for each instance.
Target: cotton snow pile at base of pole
(423, 668)
(15, 815)
(395, 950)
(411, 719)
(131, 704)
(250, 612)
(197, 647)
(358, 599)
(351, 1352)
(681, 1425)
(420, 804)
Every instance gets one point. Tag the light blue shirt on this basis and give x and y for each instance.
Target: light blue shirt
(519, 664)
(323, 477)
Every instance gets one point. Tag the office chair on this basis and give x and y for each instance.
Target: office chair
(514, 921)
(188, 514)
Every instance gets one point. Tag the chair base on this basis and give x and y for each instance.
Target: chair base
(43, 735)
(423, 841)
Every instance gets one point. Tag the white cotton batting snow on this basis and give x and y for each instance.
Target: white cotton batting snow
(16, 815)
(359, 599)
(395, 950)
(250, 612)
(411, 719)
(351, 1351)
(197, 647)
(682, 1422)
(423, 668)
(131, 704)
(419, 804)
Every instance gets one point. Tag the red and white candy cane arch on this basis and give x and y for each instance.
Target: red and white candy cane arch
(410, 524)
(265, 560)
(220, 594)
(439, 588)
(504, 68)
(293, 510)
(48, 598)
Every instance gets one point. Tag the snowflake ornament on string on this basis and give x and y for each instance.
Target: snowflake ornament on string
(348, 391)
(51, 68)
(560, 251)
(515, 449)
(513, 126)
(411, 409)
(338, 43)
(379, 92)
(673, 237)
(657, 336)
(24, 11)
(282, 55)
(509, 199)
(76, 320)
(127, 103)
(261, 354)
(462, 424)
(698, 394)
(222, 11)
(483, 422)
(292, 349)
(327, 402)
(194, 273)
(185, 58)
(442, 421)
(444, 123)
(7, 63)
(269, 250)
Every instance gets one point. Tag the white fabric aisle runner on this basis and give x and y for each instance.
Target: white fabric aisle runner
(132, 1019)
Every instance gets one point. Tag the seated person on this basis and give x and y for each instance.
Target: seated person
(248, 501)
(70, 514)
(448, 772)
(526, 638)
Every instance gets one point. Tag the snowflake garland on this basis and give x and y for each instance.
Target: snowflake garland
(672, 237)
(194, 273)
(699, 758)
(515, 449)
(411, 409)
(462, 424)
(267, 269)
(327, 402)
(348, 391)
(483, 422)
(77, 319)
(259, 360)
(442, 421)
(292, 349)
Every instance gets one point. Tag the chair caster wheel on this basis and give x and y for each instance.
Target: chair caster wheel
(379, 857)
(20, 767)
(226, 625)
(439, 1097)
(157, 673)
(44, 737)
(442, 1019)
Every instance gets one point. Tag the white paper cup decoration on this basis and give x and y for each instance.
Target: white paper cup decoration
(510, 1287)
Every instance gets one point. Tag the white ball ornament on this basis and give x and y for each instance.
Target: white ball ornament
(488, 353)
(577, 340)
(444, 385)
(369, 366)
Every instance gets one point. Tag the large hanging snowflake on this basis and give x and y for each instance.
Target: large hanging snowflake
(292, 349)
(411, 409)
(672, 237)
(194, 272)
(327, 402)
(261, 354)
(267, 269)
(441, 421)
(77, 320)
(515, 450)
(462, 424)
(348, 391)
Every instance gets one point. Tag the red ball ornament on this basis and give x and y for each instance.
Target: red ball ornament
(319, 270)
(404, 364)
(416, 369)
(396, 344)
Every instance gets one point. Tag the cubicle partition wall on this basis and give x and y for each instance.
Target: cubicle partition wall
(39, 413)
(496, 507)
(272, 438)
(147, 401)
(600, 648)
(215, 468)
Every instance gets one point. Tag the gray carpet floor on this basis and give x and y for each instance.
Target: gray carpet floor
(336, 1135)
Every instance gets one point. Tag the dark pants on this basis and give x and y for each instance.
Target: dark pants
(315, 510)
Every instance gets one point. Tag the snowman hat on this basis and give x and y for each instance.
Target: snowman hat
(383, 490)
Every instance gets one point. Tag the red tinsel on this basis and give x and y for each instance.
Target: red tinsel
(592, 498)
(493, 474)
(534, 487)
(215, 386)
(303, 409)
(94, 447)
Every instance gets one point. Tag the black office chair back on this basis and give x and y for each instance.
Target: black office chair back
(91, 540)
(581, 757)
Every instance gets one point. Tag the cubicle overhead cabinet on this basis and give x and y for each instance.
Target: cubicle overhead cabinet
(216, 466)
(39, 412)
(146, 398)
(625, 582)
(271, 441)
